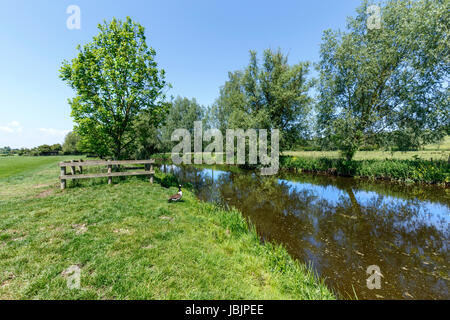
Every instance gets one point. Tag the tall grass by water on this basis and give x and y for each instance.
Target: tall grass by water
(401, 170)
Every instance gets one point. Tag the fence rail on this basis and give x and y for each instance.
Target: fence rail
(74, 175)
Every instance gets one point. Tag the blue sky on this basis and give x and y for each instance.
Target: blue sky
(197, 43)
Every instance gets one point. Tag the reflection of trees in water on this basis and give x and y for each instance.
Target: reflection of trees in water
(403, 191)
(341, 239)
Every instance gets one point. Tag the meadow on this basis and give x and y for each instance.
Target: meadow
(130, 243)
(376, 155)
(439, 151)
(408, 171)
(429, 165)
(19, 166)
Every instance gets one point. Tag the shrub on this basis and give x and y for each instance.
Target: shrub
(169, 180)
(402, 170)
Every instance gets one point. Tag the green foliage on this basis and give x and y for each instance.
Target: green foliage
(43, 150)
(5, 151)
(71, 143)
(168, 180)
(116, 78)
(392, 80)
(148, 133)
(401, 170)
(267, 95)
(182, 115)
(234, 222)
(156, 138)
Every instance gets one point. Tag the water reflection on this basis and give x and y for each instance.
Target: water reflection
(341, 226)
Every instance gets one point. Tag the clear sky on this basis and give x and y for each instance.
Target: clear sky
(197, 43)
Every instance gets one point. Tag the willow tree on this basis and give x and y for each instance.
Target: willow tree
(156, 137)
(389, 79)
(268, 94)
(116, 79)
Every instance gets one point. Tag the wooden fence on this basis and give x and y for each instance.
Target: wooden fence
(78, 174)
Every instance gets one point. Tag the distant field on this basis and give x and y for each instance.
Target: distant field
(439, 151)
(11, 166)
(375, 155)
(443, 146)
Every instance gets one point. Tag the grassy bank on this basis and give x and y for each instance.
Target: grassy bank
(131, 244)
(401, 170)
(440, 151)
(375, 155)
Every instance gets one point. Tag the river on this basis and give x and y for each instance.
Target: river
(341, 226)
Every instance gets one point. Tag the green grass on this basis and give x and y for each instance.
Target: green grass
(14, 165)
(131, 244)
(438, 151)
(429, 165)
(375, 155)
(436, 172)
(444, 145)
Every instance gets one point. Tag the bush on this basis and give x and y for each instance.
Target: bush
(166, 180)
(169, 180)
(402, 170)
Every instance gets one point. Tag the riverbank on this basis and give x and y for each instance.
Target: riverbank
(130, 243)
(419, 171)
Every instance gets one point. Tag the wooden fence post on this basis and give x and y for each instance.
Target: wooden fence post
(151, 176)
(81, 167)
(63, 181)
(149, 168)
(109, 172)
(72, 169)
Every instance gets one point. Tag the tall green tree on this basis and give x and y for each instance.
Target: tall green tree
(182, 115)
(116, 78)
(388, 79)
(267, 95)
(71, 143)
(155, 136)
(149, 138)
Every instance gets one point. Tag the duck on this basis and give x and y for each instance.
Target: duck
(176, 197)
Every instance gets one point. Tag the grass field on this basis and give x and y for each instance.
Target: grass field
(443, 146)
(375, 155)
(433, 151)
(131, 244)
(14, 166)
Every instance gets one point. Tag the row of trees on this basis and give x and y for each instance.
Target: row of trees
(375, 87)
(151, 138)
(42, 150)
(386, 84)
(6, 151)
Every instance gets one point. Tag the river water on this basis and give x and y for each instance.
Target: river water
(341, 226)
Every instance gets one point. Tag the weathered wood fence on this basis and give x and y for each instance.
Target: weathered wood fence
(74, 174)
